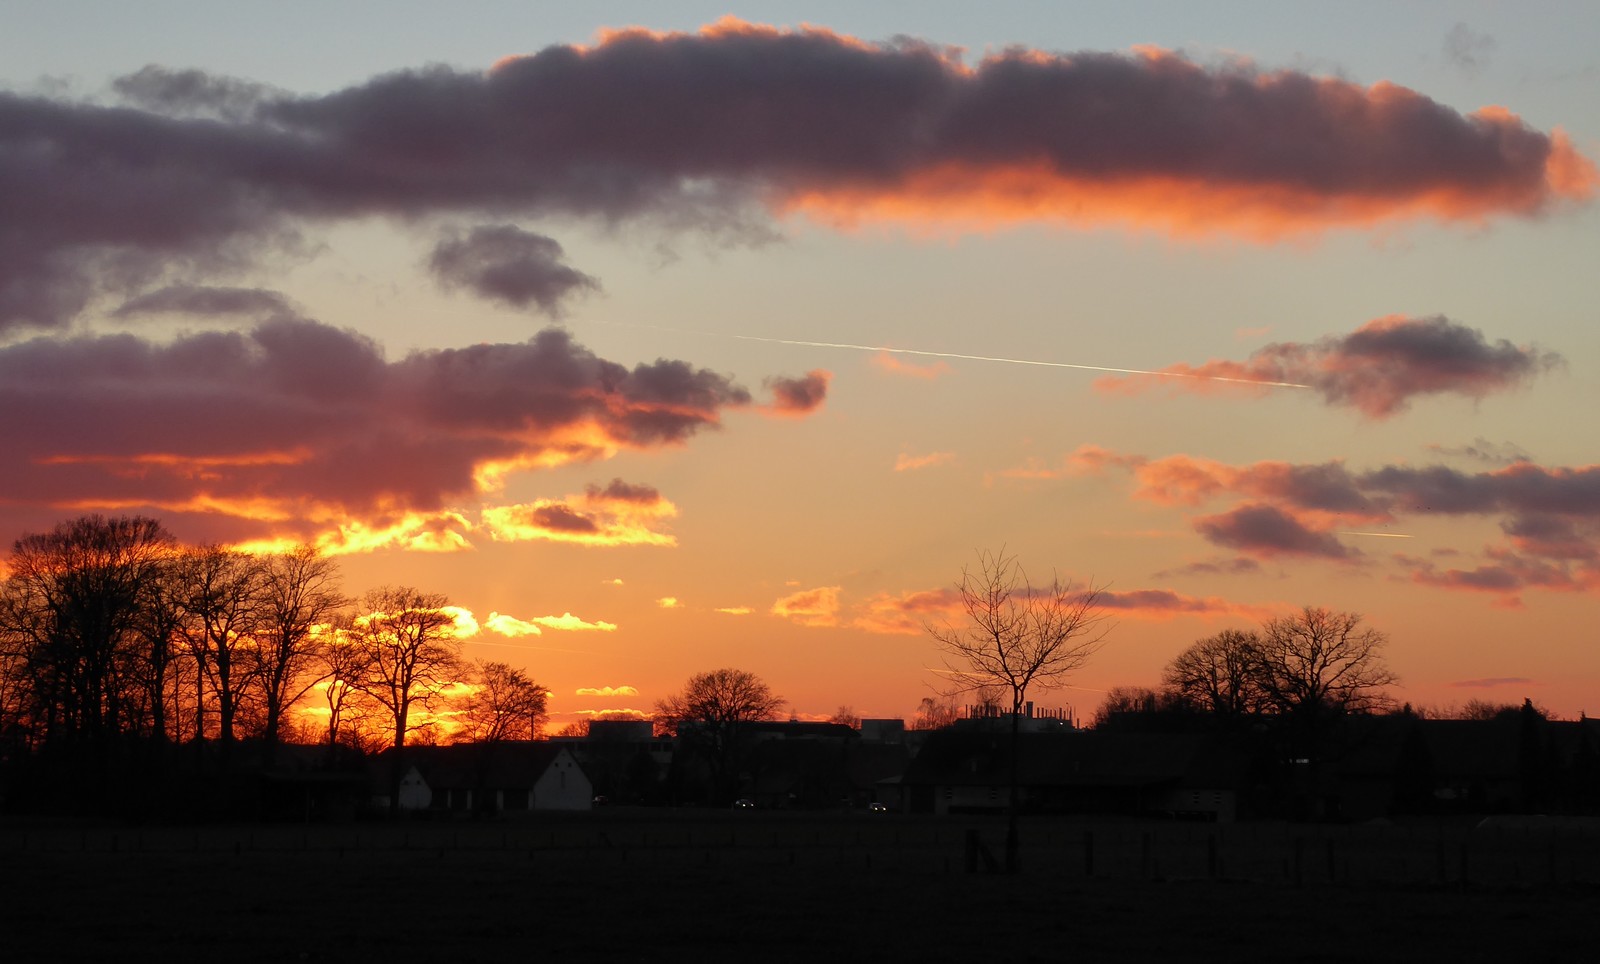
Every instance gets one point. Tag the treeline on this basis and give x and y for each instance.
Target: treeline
(117, 644)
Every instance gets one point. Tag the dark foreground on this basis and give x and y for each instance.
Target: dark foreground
(772, 887)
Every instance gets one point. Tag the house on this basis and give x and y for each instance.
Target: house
(969, 771)
(507, 777)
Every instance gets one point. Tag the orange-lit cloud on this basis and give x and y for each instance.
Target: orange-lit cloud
(618, 515)
(907, 613)
(669, 602)
(898, 365)
(607, 691)
(295, 431)
(1378, 369)
(810, 607)
(1550, 516)
(719, 130)
(566, 622)
(798, 397)
(734, 610)
(613, 714)
(906, 462)
(910, 613)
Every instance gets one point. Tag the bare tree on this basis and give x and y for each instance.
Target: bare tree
(502, 703)
(846, 716)
(1320, 664)
(1319, 659)
(1221, 675)
(407, 649)
(1017, 637)
(68, 615)
(933, 714)
(220, 595)
(711, 716)
(298, 602)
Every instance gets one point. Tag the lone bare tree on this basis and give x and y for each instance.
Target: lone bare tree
(1017, 637)
(711, 716)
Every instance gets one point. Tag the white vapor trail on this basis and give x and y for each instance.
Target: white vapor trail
(1378, 535)
(1017, 361)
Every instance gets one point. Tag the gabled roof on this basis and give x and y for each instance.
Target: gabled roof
(508, 764)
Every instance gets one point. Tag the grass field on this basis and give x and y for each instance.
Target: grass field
(713, 886)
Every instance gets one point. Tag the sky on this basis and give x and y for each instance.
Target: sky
(725, 336)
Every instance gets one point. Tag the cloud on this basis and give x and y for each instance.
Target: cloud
(1235, 566)
(607, 691)
(1378, 369)
(616, 714)
(511, 626)
(1467, 50)
(618, 515)
(799, 396)
(1264, 530)
(897, 365)
(908, 612)
(206, 301)
(1549, 515)
(195, 176)
(506, 264)
(906, 462)
(734, 610)
(300, 430)
(1493, 681)
(669, 602)
(1163, 604)
(1483, 450)
(810, 607)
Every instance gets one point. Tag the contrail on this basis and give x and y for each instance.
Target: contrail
(1378, 535)
(1016, 361)
(951, 354)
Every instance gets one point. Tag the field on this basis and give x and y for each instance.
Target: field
(708, 885)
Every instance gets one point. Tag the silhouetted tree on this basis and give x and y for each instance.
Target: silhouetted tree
(1221, 675)
(1017, 637)
(68, 617)
(221, 596)
(933, 714)
(711, 715)
(299, 598)
(846, 716)
(407, 651)
(1317, 667)
(502, 703)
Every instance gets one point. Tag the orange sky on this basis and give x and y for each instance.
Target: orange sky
(670, 349)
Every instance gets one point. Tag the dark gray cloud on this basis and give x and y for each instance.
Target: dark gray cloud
(1483, 450)
(561, 518)
(1265, 530)
(799, 396)
(620, 491)
(506, 264)
(195, 173)
(206, 301)
(1378, 369)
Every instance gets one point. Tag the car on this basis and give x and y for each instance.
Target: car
(744, 803)
(876, 807)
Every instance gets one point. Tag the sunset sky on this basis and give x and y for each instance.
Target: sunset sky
(663, 338)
